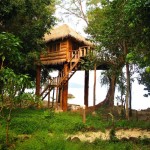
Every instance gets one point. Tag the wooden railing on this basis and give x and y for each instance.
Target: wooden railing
(81, 52)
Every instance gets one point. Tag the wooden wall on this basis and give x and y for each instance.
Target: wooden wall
(63, 54)
(55, 56)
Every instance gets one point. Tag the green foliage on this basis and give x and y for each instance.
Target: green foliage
(112, 135)
(28, 20)
(12, 85)
(116, 25)
(88, 62)
(38, 132)
(49, 114)
(24, 126)
(9, 50)
(79, 126)
(12, 138)
(97, 123)
(2, 135)
(64, 123)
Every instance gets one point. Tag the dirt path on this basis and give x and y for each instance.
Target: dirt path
(121, 133)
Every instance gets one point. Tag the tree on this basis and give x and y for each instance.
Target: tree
(9, 52)
(108, 33)
(121, 29)
(12, 84)
(78, 9)
(138, 14)
(28, 20)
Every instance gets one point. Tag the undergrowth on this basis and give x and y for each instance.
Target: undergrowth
(43, 129)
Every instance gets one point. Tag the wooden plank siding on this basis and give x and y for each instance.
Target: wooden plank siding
(55, 57)
(67, 49)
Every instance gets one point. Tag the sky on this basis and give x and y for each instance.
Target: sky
(76, 87)
(76, 83)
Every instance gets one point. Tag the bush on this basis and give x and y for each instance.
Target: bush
(49, 114)
(79, 126)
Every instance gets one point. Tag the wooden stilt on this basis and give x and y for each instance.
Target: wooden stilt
(60, 97)
(49, 98)
(65, 97)
(65, 90)
(38, 78)
(57, 88)
(53, 97)
(86, 88)
(94, 86)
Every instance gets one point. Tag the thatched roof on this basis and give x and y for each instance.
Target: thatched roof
(65, 31)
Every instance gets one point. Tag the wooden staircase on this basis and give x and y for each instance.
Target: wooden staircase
(67, 72)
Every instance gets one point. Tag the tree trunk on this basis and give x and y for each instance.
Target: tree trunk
(130, 99)
(109, 100)
(111, 92)
(94, 87)
(38, 79)
(125, 49)
(127, 91)
(86, 88)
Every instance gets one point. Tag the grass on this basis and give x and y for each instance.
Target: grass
(44, 129)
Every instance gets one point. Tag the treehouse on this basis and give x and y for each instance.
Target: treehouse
(63, 44)
(65, 50)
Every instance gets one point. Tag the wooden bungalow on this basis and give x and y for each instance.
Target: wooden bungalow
(65, 49)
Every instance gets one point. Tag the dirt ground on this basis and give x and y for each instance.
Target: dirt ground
(120, 134)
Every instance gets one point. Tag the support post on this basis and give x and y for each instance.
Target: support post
(38, 78)
(65, 90)
(94, 86)
(49, 98)
(53, 97)
(60, 92)
(84, 114)
(57, 96)
(86, 88)
(65, 97)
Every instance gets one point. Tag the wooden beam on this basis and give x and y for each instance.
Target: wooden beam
(49, 98)
(53, 97)
(60, 93)
(38, 79)
(65, 90)
(86, 88)
(94, 86)
(65, 97)
(57, 96)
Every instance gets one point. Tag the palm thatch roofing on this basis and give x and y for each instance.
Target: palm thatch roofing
(64, 31)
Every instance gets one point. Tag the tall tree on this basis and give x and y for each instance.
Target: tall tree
(121, 29)
(138, 14)
(111, 36)
(28, 20)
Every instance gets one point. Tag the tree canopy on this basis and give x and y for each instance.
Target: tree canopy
(121, 30)
(28, 20)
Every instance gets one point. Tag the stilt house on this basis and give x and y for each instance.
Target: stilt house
(65, 49)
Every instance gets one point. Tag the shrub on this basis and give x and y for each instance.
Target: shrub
(49, 114)
(79, 126)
